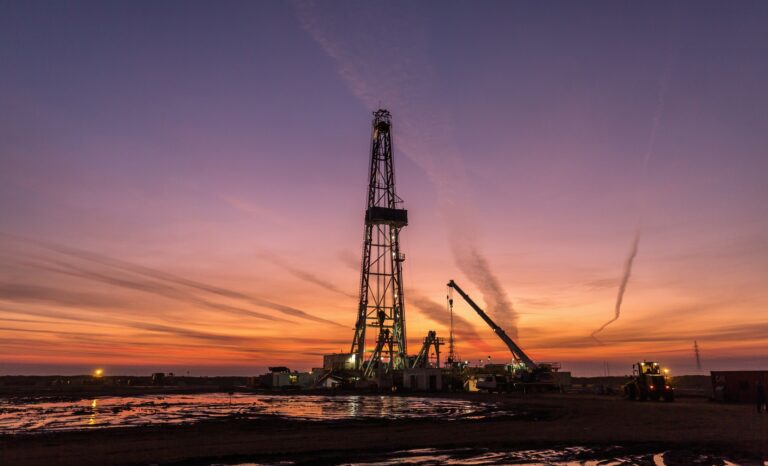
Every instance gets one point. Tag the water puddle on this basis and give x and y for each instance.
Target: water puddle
(31, 416)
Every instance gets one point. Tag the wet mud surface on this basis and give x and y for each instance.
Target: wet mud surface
(42, 415)
(559, 456)
(296, 429)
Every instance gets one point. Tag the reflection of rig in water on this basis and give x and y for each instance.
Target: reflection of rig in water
(380, 321)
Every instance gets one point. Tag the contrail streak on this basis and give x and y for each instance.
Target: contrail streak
(623, 285)
(476, 267)
(463, 329)
(649, 150)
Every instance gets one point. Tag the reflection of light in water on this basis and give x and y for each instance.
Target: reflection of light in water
(185, 409)
(354, 406)
(92, 418)
(566, 456)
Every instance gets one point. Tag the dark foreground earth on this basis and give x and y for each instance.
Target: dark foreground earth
(546, 429)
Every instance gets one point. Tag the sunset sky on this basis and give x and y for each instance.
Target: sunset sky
(182, 184)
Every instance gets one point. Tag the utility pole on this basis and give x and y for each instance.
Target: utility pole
(451, 350)
(381, 304)
(698, 356)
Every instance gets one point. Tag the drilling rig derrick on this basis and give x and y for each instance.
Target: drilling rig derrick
(381, 306)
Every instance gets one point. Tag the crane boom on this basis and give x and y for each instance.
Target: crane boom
(516, 351)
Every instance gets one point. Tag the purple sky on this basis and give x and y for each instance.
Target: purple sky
(227, 142)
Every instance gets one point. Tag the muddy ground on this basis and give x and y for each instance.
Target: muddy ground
(688, 425)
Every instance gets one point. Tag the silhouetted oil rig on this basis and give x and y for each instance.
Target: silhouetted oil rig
(382, 304)
(379, 354)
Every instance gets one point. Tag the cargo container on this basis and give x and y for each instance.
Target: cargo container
(737, 386)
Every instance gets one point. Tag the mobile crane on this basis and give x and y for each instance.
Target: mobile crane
(526, 372)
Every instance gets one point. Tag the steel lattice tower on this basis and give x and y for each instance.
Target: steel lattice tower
(381, 279)
(696, 353)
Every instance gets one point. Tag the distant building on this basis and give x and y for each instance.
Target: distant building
(339, 361)
(282, 377)
(737, 386)
(330, 381)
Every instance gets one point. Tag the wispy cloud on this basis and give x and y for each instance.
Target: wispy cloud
(251, 208)
(638, 332)
(304, 275)
(24, 292)
(349, 259)
(160, 289)
(160, 281)
(174, 330)
(475, 265)
(264, 344)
